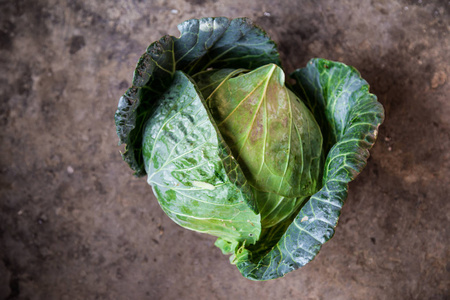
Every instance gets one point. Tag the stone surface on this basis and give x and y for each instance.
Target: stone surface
(75, 224)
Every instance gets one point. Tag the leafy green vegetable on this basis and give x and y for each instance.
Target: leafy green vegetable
(231, 150)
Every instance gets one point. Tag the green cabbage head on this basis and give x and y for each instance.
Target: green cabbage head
(231, 149)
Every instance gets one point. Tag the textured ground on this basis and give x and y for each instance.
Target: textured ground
(75, 224)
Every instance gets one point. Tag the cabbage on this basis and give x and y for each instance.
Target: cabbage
(232, 150)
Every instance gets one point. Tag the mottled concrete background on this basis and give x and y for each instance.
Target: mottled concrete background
(75, 224)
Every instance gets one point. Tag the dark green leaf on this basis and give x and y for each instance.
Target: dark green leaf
(223, 43)
(193, 174)
(152, 76)
(350, 117)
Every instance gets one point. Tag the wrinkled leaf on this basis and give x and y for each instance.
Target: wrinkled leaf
(153, 75)
(349, 116)
(196, 180)
(223, 43)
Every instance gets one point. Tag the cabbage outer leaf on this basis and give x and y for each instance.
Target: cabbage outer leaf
(223, 43)
(153, 75)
